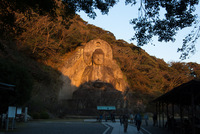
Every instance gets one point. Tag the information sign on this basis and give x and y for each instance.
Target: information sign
(19, 110)
(11, 112)
(106, 108)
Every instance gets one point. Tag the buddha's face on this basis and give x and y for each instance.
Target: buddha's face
(98, 59)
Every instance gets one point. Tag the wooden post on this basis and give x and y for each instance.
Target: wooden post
(159, 114)
(193, 117)
(163, 116)
(181, 116)
(7, 123)
(173, 110)
(188, 112)
(173, 118)
(156, 124)
(26, 114)
(13, 123)
(156, 108)
(167, 112)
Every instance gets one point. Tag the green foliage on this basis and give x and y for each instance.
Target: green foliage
(148, 75)
(179, 14)
(40, 115)
(44, 115)
(49, 37)
(150, 22)
(189, 41)
(90, 6)
(16, 74)
(194, 69)
(35, 115)
(53, 8)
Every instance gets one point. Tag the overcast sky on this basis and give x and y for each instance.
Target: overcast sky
(118, 22)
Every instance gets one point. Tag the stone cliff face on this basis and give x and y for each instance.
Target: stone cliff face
(91, 62)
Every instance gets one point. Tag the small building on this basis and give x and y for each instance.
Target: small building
(7, 87)
(6, 92)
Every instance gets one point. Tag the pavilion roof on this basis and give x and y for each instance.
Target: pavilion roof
(4, 86)
(184, 94)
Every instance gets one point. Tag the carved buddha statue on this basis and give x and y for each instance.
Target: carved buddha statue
(97, 71)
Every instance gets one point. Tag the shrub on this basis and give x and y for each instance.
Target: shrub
(44, 115)
(35, 116)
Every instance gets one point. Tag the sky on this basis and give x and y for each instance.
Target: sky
(117, 21)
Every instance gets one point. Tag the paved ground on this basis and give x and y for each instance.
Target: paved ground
(118, 129)
(88, 126)
(59, 128)
(155, 130)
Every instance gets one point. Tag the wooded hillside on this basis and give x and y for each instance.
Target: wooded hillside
(36, 46)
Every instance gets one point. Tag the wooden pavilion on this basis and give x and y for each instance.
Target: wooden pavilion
(187, 98)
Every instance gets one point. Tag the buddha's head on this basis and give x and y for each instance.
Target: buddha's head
(98, 57)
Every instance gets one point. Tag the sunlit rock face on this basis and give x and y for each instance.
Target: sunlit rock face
(91, 62)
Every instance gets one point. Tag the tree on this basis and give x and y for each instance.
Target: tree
(8, 8)
(152, 22)
(18, 75)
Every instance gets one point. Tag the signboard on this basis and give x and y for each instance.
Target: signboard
(106, 108)
(19, 110)
(11, 112)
